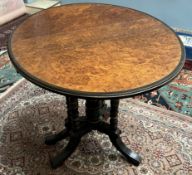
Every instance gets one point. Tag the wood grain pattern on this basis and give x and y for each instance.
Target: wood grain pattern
(95, 48)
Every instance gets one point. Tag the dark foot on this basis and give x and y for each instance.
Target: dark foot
(131, 156)
(53, 139)
(65, 153)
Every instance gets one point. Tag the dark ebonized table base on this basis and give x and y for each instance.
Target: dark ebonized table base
(76, 127)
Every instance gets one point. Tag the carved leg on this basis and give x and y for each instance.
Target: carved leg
(53, 139)
(131, 156)
(77, 127)
(114, 114)
(94, 110)
(70, 127)
(65, 153)
(72, 112)
(72, 106)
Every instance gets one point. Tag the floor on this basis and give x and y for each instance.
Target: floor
(176, 13)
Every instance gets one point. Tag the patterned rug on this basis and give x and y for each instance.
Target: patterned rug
(176, 96)
(178, 93)
(27, 114)
(8, 74)
(7, 29)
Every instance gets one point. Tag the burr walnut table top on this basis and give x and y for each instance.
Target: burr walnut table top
(96, 50)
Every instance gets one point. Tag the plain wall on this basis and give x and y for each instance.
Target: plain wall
(176, 13)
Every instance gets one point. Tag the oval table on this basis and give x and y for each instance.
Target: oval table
(95, 52)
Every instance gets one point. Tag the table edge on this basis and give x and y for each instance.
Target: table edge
(99, 95)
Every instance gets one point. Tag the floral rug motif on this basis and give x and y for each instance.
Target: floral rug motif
(178, 93)
(8, 74)
(163, 138)
(176, 96)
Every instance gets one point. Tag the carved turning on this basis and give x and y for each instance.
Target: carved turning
(94, 110)
(72, 111)
(83, 125)
(113, 114)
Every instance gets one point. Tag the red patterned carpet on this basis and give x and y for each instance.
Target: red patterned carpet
(28, 114)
